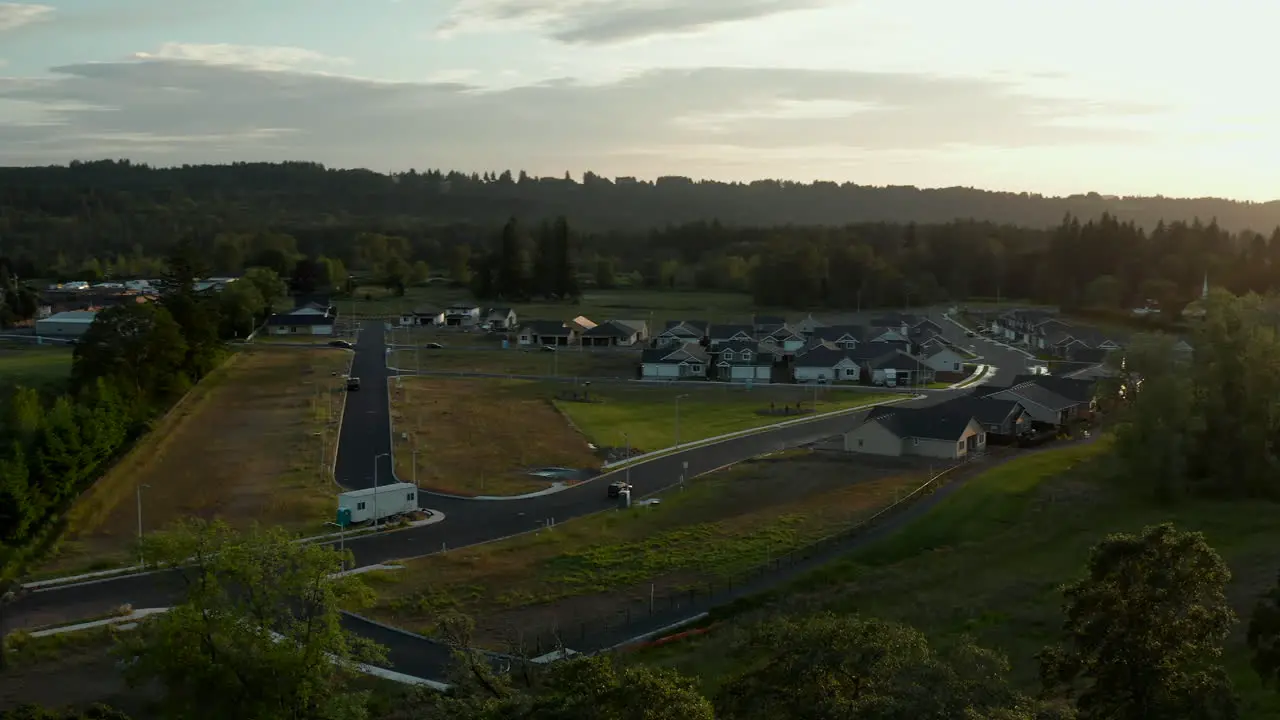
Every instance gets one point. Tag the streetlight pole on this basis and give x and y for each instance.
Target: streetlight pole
(376, 458)
(342, 541)
(678, 399)
(627, 440)
(415, 465)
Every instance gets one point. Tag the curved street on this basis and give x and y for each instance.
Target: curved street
(366, 434)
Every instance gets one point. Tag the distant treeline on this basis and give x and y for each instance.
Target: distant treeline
(789, 244)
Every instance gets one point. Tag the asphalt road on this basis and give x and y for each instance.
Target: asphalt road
(365, 434)
(1007, 362)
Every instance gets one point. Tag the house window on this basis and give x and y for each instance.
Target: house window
(746, 356)
(960, 446)
(915, 441)
(859, 443)
(359, 506)
(408, 496)
(728, 355)
(696, 368)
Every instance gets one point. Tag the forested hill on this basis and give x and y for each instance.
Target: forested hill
(288, 192)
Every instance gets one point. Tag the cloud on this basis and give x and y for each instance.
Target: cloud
(610, 21)
(15, 15)
(248, 56)
(171, 111)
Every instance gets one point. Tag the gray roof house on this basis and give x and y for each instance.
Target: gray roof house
(998, 417)
(1042, 404)
(730, 332)
(500, 318)
(743, 361)
(678, 332)
(545, 332)
(689, 361)
(611, 333)
(923, 432)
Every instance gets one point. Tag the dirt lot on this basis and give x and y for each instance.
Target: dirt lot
(245, 446)
(567, 362)
(478, 437)
(717, 527)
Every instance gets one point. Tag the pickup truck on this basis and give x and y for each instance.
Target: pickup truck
(616, 487)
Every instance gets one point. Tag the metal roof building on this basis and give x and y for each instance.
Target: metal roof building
(72, 323)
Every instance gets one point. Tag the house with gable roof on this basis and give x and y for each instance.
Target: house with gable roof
(687, 362)
(743, 360)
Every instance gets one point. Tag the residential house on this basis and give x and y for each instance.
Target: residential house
(546, 332)
(907, 369)
(831, 363)
(927, 324)
(500, 319)
(1014, 325)
(827, 364)
(895, 320)
(1084, 392)
(1046, 407)
(1043, 336)
(730, 333)
(687, 362)
(881, 333)
(766, 324)
(923, 432)
(423, 316)
(809, 325)
(743, 361)
(844, 336)
(581, 324)
(302, 323)
(942, 359)
(1003, 420)
(679, 332)
(641, 328)
(611, 333)
(783, 340)
(462, 314)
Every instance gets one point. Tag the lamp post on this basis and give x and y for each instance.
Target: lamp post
(415, 465)
(376, 458)
(626, 439)
(678, 399)
(342, 541)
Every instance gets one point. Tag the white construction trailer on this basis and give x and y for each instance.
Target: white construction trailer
(389, 501)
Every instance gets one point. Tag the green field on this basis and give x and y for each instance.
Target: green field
(646, 414)
(989, 560)
(43, 368)
(567, 362)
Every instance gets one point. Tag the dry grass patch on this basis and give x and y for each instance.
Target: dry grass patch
(531, 362)
(478, 437)
(718, 527)
(246, 445)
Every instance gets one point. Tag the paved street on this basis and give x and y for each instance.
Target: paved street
(365, 434)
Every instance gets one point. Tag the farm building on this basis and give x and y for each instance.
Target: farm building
(72, 323)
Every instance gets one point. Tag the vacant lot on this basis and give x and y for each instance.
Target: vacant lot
(480, 437)
(246, 445)
(716, 528)
(568, 363)
(646, 414)
(41, 367)
(989, 560)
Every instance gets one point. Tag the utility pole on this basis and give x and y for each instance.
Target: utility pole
(342, 541)
(138, 493)
(627, 440)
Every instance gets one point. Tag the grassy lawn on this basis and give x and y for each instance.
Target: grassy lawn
(717, 527)
(520, 361)
(479, 437)
(989, 560)
(245, 445)
(647, 414)
(46, 367)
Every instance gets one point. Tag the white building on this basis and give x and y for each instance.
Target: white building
(73, 323)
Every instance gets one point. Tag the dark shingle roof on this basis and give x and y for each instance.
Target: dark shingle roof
(298, 320)
(835, 332)
(1069, 388)
(924, 423)
(729, 330)
(697, 327)
(1038, 395)
(555, 328)
(986, 410)
(611, 328)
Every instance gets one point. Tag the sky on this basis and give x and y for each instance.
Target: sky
(1125, 97)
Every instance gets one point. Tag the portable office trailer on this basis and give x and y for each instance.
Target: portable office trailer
(390, 500)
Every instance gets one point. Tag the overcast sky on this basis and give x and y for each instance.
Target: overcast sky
(1124, 96)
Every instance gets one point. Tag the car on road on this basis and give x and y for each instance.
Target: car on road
(968, 333)
(341, 344)
(353, 383)
(548, 348)
(617, 486)
(433, 346)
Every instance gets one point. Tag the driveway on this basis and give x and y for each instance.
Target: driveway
(365, 434)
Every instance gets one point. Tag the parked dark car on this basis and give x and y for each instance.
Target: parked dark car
(616, 487)
(353, 383)
(341, 344)
(433, 346)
